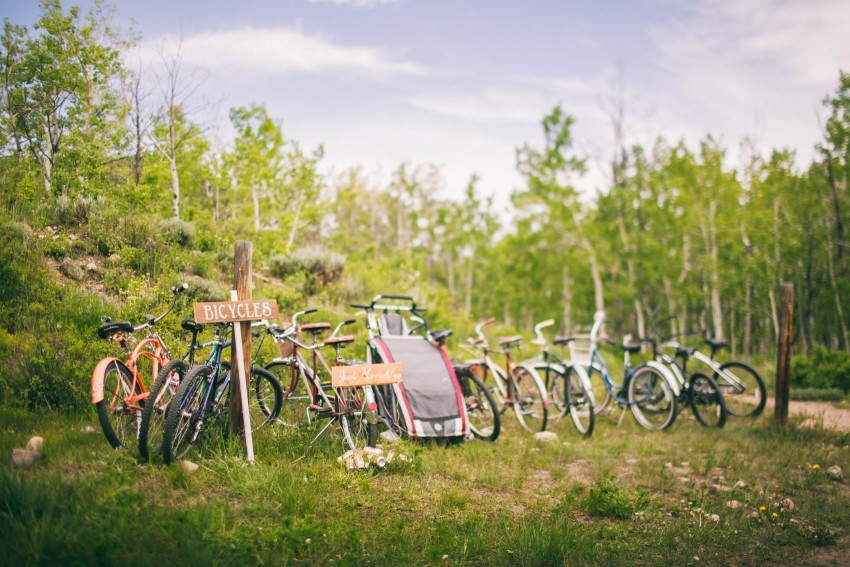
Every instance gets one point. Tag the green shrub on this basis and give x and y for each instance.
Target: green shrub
(74, 211)
(178, 231)
(320, 266)
(822, 369)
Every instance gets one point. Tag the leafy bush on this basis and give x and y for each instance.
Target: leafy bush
(320, 266)
(178, 231)
(822, 369)
(74, 211)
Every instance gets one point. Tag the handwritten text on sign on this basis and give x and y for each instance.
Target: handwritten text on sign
(229, 311)
(365, 375)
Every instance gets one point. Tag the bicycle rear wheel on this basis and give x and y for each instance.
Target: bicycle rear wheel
(743, 389)
(295, 400)
(707, 400)
(156, 409)
(651, 399)
(118, 419)
(359, 425)
(529, 398)
(484, 419)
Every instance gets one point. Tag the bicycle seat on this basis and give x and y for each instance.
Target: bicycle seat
(685, 351)
(106, 331)
(440, 336)
(563, 340)
(631, 348)
(505, 342)
(345, 339)
(716, 343)
(316, 328)
(191, 326)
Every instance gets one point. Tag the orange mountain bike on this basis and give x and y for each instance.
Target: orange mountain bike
(119, 389)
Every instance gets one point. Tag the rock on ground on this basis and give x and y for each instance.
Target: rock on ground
(546, 436)
(834, 472)
(24, 458)
(35, 443)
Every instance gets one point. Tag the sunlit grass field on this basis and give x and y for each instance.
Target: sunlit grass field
(624, 497)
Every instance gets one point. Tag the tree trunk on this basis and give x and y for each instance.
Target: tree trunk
(838, 310)
(748, 319)
(716, 308)
(567, 298)
(773, 313)
(839, 226)
(175, 188)
(469, 277)
(255, 199)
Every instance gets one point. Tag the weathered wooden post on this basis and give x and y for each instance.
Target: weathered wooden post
(242, 284)
(783, 354)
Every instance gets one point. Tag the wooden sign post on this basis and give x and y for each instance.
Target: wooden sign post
(783, 354)
(240, 311)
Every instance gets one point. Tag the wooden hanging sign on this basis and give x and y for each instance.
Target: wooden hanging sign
(231, 311)
(365, 375)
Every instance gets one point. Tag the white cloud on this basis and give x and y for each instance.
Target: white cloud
(356, 3)
(274, 51)
(489, 105)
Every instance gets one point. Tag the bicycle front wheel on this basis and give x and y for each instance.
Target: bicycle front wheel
(529, 398)
(579, 400)
(743, 389)
(359, 425)
(707, 400)
(183, 425)
(484, 419)
(118, 418)
(156, 409)
(651, 399)
(265, 399)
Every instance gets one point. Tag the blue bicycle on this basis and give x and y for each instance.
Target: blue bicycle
(203, 394)
(648, 390)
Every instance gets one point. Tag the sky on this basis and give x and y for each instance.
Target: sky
(463, 83)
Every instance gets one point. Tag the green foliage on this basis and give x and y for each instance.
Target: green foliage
(818, 394)
(178, 231)
(312, 267)
(74, 211)
(822, 369)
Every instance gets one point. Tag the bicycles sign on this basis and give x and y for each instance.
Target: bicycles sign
(231, 311)
(366, 375)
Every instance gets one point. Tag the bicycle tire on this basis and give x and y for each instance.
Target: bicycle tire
(179, 433)
(484, 419)
(294, 400)
(529, 399)
(580, 402)
(267, 400)
(600, 390)
(113, 416)
(359, 425)
(156, 409)
(738, 402)
(651, 399)
(706, 400)
(555, 389)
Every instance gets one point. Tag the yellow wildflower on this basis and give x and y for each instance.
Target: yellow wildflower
(762, 508)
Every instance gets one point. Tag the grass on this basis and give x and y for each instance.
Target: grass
(625, 496)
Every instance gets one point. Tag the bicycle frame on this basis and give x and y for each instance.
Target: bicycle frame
(708, 361)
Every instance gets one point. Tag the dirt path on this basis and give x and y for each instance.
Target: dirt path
(833, 417)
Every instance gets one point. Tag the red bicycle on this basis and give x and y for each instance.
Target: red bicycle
(119, 388)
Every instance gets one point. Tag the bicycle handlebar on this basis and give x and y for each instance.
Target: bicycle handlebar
(538, 330)
(150, 320)
(341, 325)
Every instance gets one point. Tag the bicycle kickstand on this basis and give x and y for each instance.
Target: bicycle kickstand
(622, 415)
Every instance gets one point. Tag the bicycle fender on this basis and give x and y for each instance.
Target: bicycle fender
(97, 377)
(668, 374)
